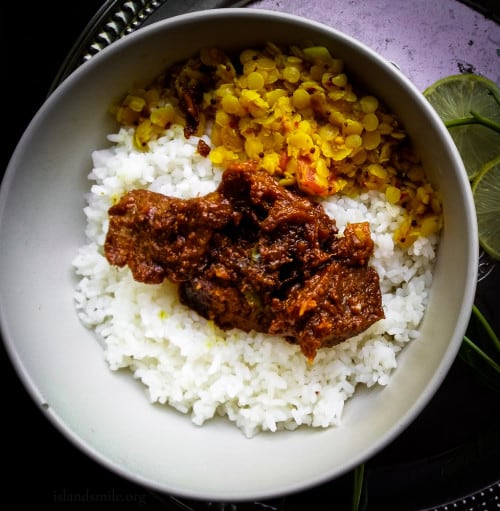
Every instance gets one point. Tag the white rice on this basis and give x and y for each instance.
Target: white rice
(260, 382)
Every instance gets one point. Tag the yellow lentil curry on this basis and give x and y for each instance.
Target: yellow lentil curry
(294, 112)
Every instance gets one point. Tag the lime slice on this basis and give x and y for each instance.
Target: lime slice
(469, 105)
(486, 193)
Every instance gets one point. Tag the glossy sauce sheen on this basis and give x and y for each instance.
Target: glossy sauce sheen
(252, 255)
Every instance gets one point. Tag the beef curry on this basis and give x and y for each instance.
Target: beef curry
(252, 255)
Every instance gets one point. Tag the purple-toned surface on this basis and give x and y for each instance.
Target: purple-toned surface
(426, 39)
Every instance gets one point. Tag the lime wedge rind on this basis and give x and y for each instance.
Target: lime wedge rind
(477, 146)
(464, 94)
(486, 193)
(469, 106)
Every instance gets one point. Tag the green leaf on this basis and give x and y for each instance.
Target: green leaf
(480, 350)
(359, 497)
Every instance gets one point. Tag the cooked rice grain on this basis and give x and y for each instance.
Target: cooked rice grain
(257, 381)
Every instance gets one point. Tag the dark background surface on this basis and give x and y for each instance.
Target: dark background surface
(451, 450)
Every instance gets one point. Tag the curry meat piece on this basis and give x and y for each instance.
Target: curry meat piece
(252, 255)
(161, 237)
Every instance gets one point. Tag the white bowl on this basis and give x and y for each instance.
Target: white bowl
(106, 414)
